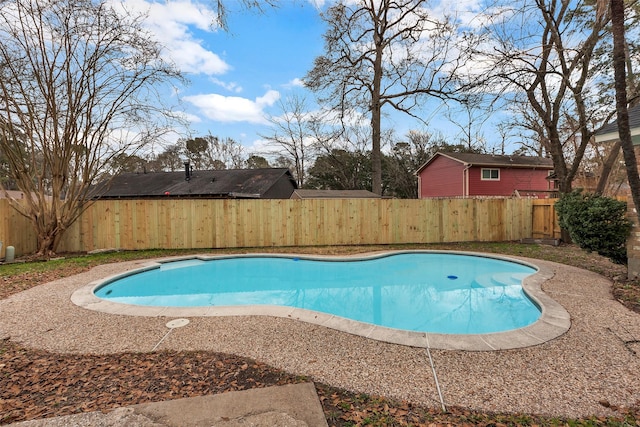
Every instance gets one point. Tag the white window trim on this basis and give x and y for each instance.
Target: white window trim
(482, 178)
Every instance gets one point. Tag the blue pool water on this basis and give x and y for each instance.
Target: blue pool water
(417, 291)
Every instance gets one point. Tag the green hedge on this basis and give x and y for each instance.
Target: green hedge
(596, 223)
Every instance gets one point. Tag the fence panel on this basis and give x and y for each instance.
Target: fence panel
(16, 231)
(203, 223)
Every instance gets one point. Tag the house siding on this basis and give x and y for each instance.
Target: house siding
(511, 179)
(443, 178)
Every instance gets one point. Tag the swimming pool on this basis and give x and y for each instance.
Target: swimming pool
(432, 292)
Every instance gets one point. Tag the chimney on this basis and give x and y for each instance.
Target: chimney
(187, 171)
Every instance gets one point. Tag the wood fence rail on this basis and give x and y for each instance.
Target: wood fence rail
(203, 223)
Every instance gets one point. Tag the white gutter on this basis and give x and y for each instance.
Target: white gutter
(614, 136)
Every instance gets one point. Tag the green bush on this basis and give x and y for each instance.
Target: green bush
(595, 223)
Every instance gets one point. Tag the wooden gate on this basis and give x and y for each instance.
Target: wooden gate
(545, 220)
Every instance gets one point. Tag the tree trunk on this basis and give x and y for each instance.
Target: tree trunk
(607, 167)
(376, 156)
(624, 132)
(46, 245)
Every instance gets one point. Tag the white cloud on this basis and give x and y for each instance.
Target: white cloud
(234, 108)
(191, 57)
(261, 147)
(297, 82)
(230, 86)
(269, 98)
(191, 118)
(171, 21)
(317, 3)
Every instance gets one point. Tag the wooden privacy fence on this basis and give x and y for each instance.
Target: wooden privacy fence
(204, 223)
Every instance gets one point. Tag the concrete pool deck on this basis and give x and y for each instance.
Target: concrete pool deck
(596, 361)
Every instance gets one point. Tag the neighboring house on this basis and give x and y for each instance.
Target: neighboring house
(609, 133)
(333, 194)
(269, 183)
(17, 195)
(470, 174)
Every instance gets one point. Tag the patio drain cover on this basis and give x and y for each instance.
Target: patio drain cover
(177, 323)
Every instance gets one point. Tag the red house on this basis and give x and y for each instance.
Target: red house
(470, 174)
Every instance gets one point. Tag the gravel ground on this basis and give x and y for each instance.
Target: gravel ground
(593, 369)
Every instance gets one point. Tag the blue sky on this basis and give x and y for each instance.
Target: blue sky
(268, 54)
(238, 76)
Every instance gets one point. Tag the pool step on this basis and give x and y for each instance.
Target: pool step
(180, 264)
(498, 279)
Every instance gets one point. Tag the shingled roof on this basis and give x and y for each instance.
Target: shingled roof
(333, 194)
(231, 183)
(492, 160)
(610, 132)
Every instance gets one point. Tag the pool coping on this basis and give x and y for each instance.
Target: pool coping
(554, 320)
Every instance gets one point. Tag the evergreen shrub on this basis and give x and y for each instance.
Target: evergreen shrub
(596, 223)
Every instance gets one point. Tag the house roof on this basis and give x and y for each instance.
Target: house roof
(513, 161)
(17, 195)
(333, 194)
(609, 132)
(231, 183)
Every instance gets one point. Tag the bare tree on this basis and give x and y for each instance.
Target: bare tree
(624, 130)
(169, 160)
(127, 163)
(542, 54)
(608, 167)
(225, 153)
(296, 131)
(212, 152)
(607, 164)
(340, 169)
(75, 76)
(222, 11)
(405, 159)
(382, 53)
(469, 118)
(602, 64)
(343, 161)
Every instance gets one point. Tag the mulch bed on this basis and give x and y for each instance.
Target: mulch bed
(21, 282)
(36, 384)
(627, 293)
